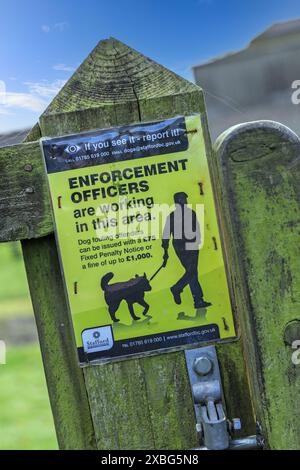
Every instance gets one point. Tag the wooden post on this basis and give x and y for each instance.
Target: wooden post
(140, 403)
(258, 181)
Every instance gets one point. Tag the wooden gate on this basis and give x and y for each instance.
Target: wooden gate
(146, 403)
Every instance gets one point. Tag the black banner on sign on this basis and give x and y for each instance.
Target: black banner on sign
(114, 145)
(140, 344)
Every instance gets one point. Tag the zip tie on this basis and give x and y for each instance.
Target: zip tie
(75, 287)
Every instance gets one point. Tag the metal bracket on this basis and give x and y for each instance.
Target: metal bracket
(212, 425)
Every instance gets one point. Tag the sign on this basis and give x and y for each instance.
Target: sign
(138, 238)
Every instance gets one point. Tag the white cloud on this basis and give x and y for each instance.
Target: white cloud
(2, 92)
(23, 100)
(36, 99)
(5, 112)
(45, 28)
(61, 26)
(45, 88)
(63, 68)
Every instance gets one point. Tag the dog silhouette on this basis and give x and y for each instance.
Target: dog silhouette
(131, 291)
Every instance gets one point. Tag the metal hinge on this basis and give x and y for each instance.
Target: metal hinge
(215, 430)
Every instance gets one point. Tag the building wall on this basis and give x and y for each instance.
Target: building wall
(254, 83)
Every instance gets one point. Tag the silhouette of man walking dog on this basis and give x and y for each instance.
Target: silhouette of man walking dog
(182, 225)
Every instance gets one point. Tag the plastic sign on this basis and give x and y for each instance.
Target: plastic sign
(138, 238)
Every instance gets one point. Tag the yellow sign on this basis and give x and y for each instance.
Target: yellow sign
(138, 238)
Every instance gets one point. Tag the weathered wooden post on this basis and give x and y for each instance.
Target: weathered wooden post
(141, 403)
(258, 182)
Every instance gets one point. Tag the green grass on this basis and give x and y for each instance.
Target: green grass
(15, 307)
(25, 416)
(13, 283)
(14, 293)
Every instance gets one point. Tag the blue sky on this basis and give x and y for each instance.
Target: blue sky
(42, 42)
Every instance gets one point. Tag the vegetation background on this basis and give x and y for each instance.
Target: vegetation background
(25, 414)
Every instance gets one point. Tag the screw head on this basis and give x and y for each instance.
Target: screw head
(28, 167)
(203, 365)
(291, 332)
(29, 190)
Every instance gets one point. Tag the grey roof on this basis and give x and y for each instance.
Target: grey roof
(13, 137)
(281, 28)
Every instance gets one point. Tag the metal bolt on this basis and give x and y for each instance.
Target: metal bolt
(236, 424)
(199, 428)
(291, 332)
(203, 365)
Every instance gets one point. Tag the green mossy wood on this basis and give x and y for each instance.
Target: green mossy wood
(24, 200)
(142, 403)
(259, 180)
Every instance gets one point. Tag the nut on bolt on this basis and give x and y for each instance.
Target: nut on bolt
(203, 365)
(236, 424)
